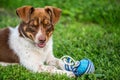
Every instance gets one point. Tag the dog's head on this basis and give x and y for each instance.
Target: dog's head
(38, 23)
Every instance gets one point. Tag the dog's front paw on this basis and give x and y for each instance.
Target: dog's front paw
(49, 69)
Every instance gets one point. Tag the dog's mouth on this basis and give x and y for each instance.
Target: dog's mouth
(41, 44)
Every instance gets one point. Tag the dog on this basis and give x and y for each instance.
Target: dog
(30, 43)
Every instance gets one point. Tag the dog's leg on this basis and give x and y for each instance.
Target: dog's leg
(53, 61)
(56, 62)
(39, 67)
(54, 70)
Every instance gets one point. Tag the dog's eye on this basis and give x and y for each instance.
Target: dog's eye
(31, 29)
(32, 26)
(50, 29)
(46, 22)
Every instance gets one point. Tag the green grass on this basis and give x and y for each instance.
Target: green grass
(88, 29)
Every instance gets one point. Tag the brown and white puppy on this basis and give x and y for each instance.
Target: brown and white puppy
(30, 43)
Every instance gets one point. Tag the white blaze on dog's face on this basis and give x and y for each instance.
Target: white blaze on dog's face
(38, 23)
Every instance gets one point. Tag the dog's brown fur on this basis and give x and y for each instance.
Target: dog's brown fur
(6, 54)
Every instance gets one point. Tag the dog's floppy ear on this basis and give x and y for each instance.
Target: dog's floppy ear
(54, 13)
(24, 13)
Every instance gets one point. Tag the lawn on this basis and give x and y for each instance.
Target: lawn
(87, 29)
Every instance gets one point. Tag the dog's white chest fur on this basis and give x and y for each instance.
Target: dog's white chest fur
(28, 53)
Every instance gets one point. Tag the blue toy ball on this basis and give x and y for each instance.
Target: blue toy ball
(84, 66)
